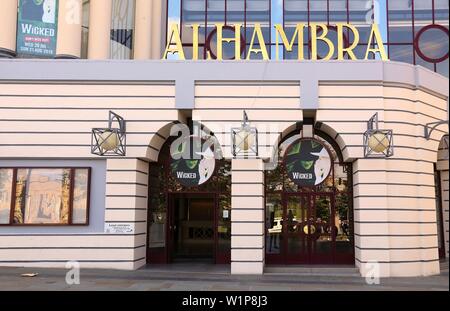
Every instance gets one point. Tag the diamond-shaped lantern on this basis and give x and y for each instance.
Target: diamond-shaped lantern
(110, 141)
(377, 143)
(245, 139)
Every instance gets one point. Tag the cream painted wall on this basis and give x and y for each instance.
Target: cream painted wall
(394, 198)
(90, 245)
(247, 216)
(394, 205)
(8, 20)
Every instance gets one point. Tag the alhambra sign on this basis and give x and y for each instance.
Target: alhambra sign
(319, 33)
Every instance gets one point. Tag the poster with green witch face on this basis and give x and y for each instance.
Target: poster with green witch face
(308, 162)
(37, 28)
(197, 167)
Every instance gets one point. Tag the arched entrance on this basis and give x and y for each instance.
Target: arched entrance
(441, 194)
(309, 223)
(188, 221)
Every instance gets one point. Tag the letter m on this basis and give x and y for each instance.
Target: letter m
(298, 33)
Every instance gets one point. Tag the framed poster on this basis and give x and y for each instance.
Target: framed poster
(37, 24)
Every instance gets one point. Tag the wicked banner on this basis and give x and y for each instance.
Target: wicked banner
(193, 161)
(37, 28)
(308, 162)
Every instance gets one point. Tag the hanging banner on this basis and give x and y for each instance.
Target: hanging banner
(308, 162)
(37, 22)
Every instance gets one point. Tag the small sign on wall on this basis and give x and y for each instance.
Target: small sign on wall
(119, 228)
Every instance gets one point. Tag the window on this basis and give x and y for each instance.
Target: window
(266, 13)
(44, 196)
(209, 12)
(418, 33)
(85, 29)
(122, 24)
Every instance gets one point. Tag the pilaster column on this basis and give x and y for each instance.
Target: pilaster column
(8, 28)
(247, 216)
(143, 30)
(100, 29)
(158, 28)
(68, 44)
(126, 203)
(395, 218)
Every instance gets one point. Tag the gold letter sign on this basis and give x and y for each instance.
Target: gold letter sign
(343, 49)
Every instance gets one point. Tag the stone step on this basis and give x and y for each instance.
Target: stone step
(344, 271)
(444, 265)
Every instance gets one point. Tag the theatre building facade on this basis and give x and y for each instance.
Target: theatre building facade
(120, 148)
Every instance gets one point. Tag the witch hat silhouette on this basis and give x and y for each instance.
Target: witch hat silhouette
(306, 151)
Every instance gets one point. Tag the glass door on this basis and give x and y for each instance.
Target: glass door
(158, 217)
(274, 228)
(223, 232)
(308, 229)
(296, 228)
(191, 228)
(322, 233)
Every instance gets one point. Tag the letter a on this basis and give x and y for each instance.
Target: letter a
(375, 31)
(178, 48)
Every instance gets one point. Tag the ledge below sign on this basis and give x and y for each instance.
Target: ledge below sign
(119, 228)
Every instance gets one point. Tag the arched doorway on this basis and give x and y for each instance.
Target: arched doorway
(441, 195)
(188, 222)
(309, 224)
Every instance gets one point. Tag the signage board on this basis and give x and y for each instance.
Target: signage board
(37, 23)
(119, 228)
(308, 162)
(192, 161)
(288, 38)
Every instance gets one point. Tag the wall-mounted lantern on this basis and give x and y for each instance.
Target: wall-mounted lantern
(430, 127)
(245, 139)
(110, 141)
(377, 143)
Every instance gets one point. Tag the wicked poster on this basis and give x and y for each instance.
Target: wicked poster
(37, 28)
(193, 162)
(308, 162)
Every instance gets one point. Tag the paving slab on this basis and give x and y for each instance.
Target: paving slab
(209, 278)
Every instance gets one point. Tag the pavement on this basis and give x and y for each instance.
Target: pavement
(206, 277)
